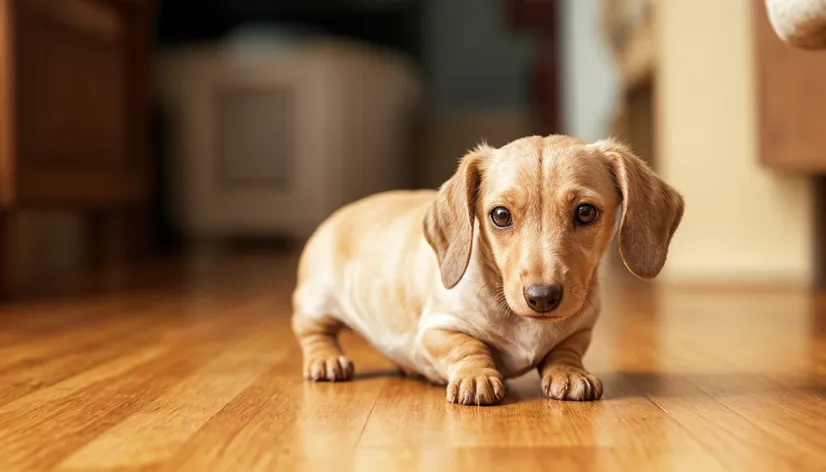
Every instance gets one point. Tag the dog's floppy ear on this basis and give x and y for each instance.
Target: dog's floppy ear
(651, 210)
(448, 225)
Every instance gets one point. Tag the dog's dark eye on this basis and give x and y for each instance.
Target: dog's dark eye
(501, 217)
(586, 214)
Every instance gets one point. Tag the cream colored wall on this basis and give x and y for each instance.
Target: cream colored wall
(743, 223)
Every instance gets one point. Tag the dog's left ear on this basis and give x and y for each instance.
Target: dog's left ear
(651, 210)
(448, 225)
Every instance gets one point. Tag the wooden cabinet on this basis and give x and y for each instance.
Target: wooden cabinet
(74, 105)
(791, 100)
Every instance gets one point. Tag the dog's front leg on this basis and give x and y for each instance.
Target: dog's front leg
(468, 366)
(563, 375)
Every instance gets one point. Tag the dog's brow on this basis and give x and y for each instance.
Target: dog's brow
(571, 195)
(506, 196)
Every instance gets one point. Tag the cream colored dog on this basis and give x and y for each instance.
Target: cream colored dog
(490, 276)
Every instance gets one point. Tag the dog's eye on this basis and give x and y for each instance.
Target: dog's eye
(501, 217)
(586, 214)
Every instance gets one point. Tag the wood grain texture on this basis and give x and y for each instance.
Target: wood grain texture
(75, 103)
(73, 81)
(7, 105)
(191, 365)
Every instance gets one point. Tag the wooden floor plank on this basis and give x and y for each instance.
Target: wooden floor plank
(195, 368)
(690, 369)
(155, 432)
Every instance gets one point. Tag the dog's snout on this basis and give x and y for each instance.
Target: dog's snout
(543, 298)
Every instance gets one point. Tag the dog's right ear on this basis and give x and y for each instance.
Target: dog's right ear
(448, 226)
(651, 210)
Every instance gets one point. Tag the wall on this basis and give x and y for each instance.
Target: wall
(743, 223)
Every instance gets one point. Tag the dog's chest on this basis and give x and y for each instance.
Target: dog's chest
(522, 345)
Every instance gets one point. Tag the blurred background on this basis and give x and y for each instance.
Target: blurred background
(135, 129)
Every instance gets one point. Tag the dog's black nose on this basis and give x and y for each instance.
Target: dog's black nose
(543, 298)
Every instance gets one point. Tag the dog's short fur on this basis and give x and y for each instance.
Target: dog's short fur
(433, 284)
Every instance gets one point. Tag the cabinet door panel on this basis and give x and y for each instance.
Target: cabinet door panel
(80, 129)
(791, 100)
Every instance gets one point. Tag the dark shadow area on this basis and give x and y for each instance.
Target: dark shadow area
(632, 384)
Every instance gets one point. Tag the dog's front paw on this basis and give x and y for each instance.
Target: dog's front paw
(570, 383)
(480, 387)
(328, 368)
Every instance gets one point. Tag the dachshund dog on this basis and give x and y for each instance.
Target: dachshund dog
(490, 276)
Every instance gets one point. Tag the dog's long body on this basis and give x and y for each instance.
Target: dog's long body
(489, 277)
(385, 285)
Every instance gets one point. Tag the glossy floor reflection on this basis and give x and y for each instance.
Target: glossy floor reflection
(192, 366)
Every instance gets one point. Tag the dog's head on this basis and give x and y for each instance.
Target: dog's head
(546, 208)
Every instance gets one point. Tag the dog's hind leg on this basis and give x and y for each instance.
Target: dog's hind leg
(323, 358)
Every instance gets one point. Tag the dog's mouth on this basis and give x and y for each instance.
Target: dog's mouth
(545, 318)
(565, 310)
(524, 311)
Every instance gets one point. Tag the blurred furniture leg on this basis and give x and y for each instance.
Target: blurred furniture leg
(547, 86)
(139, 230)
(118, 237)
(6, 143)
(75, 111)
(4, 253)
(102, 231)
(629, 29)
(820, 231)
(539, 19)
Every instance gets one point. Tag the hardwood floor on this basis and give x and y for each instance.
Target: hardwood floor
(192, 366)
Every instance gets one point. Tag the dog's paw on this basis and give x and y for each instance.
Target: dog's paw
(476, 388)
(328, 368)
(570, 383)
